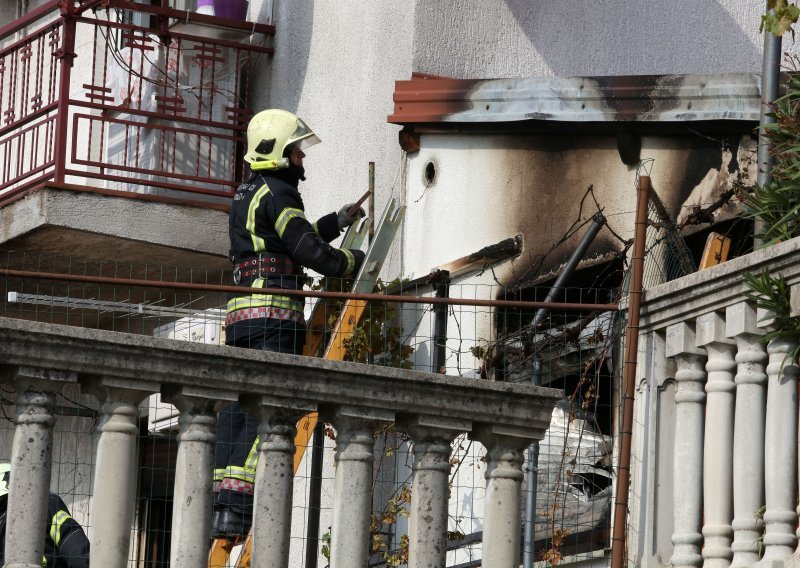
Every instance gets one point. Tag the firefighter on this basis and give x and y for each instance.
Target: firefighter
(65, 543)
(271, 243)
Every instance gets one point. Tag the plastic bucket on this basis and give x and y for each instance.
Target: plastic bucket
(233, 9)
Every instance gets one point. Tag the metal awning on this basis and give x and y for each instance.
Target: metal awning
(638, 98)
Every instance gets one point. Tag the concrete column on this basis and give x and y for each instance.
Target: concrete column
(191, 516)
(272, 510)
(502, 516)
(780, 456)
(718, 441)
(431, 436)
(31, 455)
(352, 489)
(748, 433)
(115, 470)
(687, 462)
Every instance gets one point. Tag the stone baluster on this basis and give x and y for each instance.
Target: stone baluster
(191, 516)
(31, 455)
(272, 509)
(432, 436)
(780, 455)
(688, 458)
(748, 434)
(502, 515)
(114, 498)
(352, 490)
(718, 441)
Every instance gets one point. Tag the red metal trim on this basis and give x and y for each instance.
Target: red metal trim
(22, 190)
(159, 115)
(29, 118)
(44, 185)
(179, 35)
(153, 183)
(31, 37)
(44, 167)
(193, 17)
(27, 19)
(430, 100)
(67, 53)
(308, 293)
(161, 127)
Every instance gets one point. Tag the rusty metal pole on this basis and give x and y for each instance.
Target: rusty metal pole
(371, 202)
(618, 539)
(770, 81)
(66, 54)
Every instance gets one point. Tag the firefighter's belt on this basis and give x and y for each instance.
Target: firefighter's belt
(262, 266)
(264, 312)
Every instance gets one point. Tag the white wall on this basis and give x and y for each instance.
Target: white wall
(529, 38)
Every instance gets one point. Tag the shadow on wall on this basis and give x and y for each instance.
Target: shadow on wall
(294, 21)
(661, 36)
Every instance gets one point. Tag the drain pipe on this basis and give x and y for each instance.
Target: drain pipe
(770, 80)
(618, 539)
(536, 380)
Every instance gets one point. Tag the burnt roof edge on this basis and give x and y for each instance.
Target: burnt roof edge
(618, 99)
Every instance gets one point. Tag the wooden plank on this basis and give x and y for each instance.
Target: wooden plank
(716, 251)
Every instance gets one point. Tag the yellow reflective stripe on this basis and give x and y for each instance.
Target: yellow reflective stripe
(264, 301)
(55, 525)
(316, 229)
(240, 473)
(351, 261)
(258, 243)
(219, 474)
(252, 458)
(283, 219)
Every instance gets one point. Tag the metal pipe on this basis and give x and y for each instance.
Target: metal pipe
(577, 255)
(302, 293)
(315, 496)
(770, 79)
(371, 202)
(528, 536)
(629, 376)
(532, 486)
(442, 287)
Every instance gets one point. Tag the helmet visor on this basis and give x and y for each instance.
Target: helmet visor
(303, 137)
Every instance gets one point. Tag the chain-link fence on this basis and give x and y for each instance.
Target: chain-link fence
(448, 327)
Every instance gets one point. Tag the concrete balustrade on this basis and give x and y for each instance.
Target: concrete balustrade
(31, 454)
(352, 489)
(114, 499)
(780, 517)
(734, 415)
(505, 452)
(427, 535)
(120, 370)
(690, 397)
(750, 414)
(191, 513)
(718, 439)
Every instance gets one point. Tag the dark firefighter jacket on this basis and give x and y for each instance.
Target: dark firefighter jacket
(65, 544)
(267, 219)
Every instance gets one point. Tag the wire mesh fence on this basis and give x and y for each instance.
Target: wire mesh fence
(463, 329)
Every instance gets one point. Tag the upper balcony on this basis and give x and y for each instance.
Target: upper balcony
(107, 104)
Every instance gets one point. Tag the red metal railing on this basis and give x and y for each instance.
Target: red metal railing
(125, 96)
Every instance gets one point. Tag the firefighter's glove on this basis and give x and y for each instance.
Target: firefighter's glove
(358, 256)
(346, 219)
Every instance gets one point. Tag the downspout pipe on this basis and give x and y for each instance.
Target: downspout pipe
(770, 81)
(618, 539)
(536, 380)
